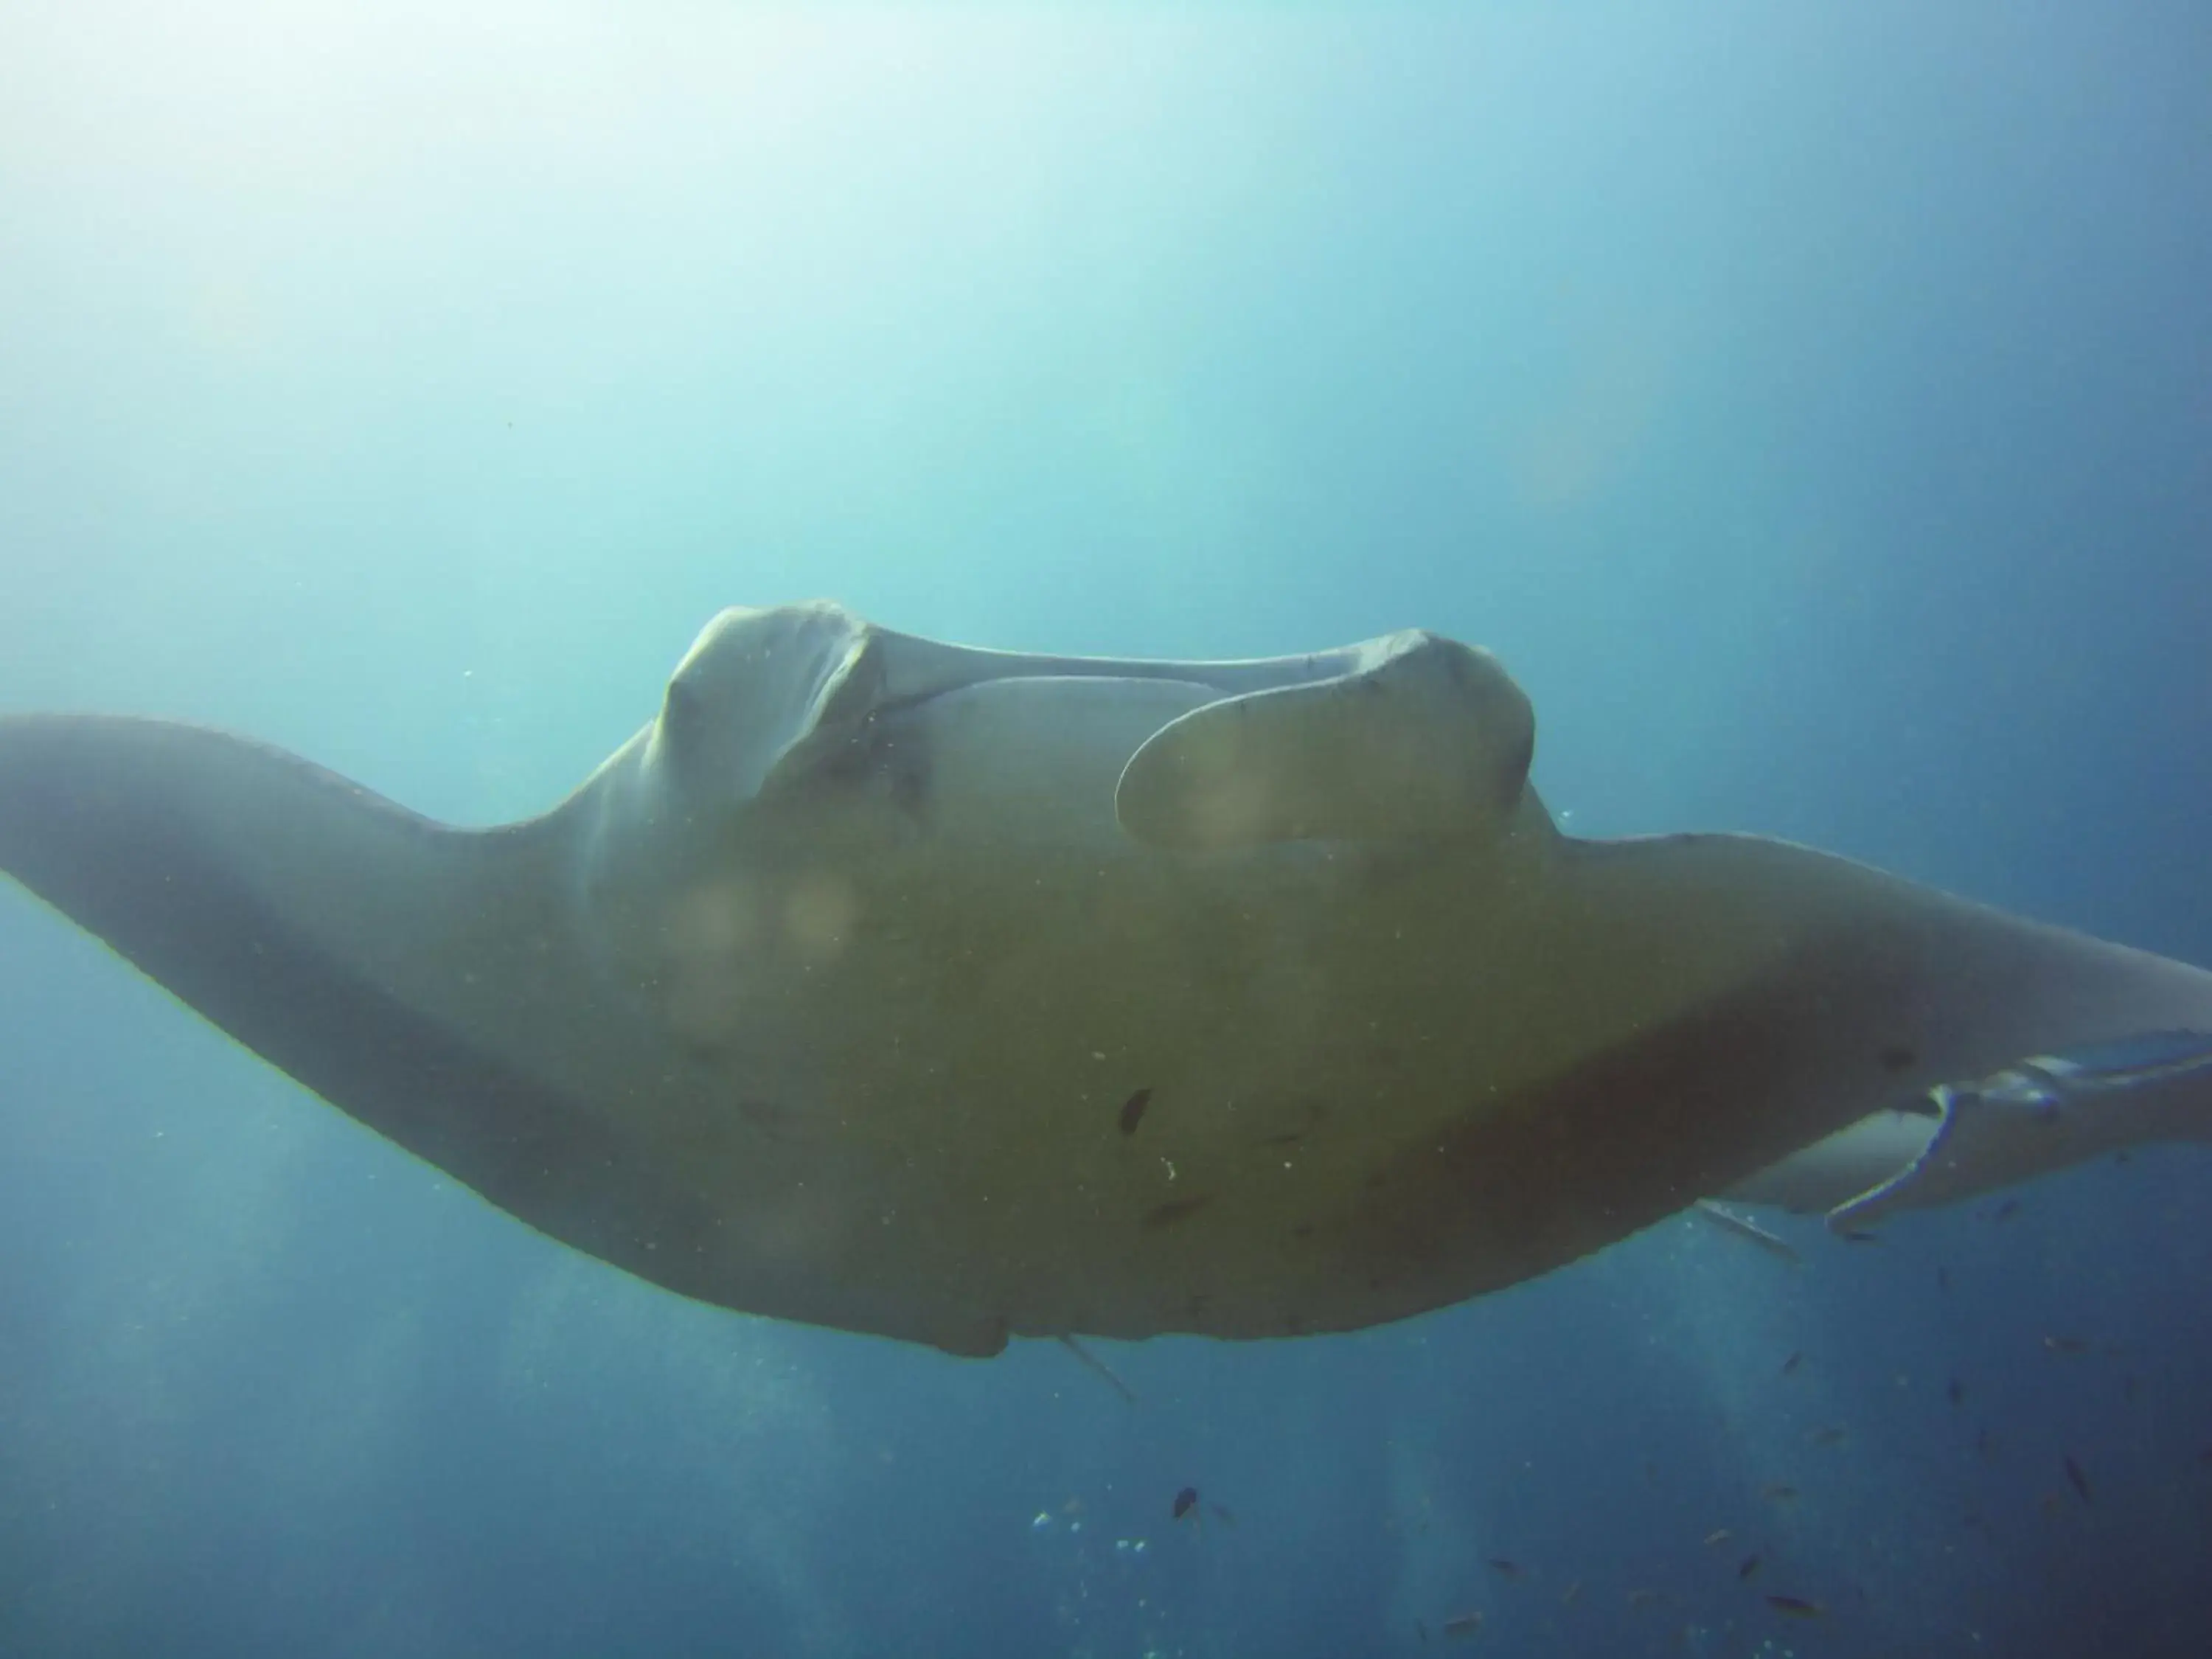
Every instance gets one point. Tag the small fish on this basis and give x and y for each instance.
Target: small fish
(2006, 1211)
(1749, 1569)
(2066, 1344)
(1505, 1569)
(2078, 1480)
(1718, 1535)
(1642, 1598)
(2204, 1458)
(1185, 1501)
(2051, 1503)
(1572, 1595)
(1942, 1279)
(1422, 1625)
(1830, 1437)
(1744, 1228)
(1780, 1494)
(1985, 1443)
(1223, 1514)
(1853, 1235)
(2128, 1385)
(1132, 1110)
(1794, 1607)
(1650, 1472)
(1955, 1391)
(1461, 1626)
(1796, 1358)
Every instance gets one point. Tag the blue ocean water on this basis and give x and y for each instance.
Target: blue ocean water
(1812, 406)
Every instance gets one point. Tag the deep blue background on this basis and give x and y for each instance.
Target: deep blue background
(1813, 405)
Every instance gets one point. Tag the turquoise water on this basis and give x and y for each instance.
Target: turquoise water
(1812, 411)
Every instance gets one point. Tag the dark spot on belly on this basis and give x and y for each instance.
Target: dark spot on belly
(1175, 1210)
(1899, 1058)
(1132, 1110)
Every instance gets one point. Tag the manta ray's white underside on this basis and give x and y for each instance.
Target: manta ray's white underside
(955, 995)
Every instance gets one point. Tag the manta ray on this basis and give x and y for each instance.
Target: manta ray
(954, 994)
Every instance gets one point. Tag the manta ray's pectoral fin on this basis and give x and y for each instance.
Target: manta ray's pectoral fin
(1423, 737)
(2043, 1114)
(417, 976)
